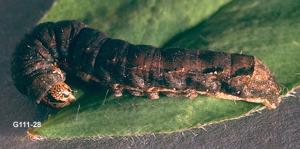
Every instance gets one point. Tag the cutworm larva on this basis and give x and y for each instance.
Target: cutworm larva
(51, 50)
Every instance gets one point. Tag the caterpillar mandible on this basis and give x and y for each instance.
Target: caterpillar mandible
(51, 50)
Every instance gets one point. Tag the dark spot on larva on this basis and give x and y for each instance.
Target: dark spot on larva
(207, 56)
(243, 71)
(225, 87)
(212, 70)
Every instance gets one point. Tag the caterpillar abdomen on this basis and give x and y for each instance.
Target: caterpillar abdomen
(54, 49)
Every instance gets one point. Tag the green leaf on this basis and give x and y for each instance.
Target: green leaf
(135, 116)
(268, 30)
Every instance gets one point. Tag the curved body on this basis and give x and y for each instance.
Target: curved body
(53, 49)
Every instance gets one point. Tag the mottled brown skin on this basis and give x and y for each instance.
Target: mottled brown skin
(144, 70)
(141, 70)
(40, 62)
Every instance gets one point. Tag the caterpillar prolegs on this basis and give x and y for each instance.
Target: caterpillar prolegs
(53, 49)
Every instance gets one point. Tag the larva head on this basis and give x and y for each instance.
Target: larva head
(62, 94)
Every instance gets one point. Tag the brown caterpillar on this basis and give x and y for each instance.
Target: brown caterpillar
(51, 49)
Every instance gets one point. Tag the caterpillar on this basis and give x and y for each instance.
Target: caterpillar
(52, 50)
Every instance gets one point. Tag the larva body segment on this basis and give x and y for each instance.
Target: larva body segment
(141, 70)
(40, 60)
